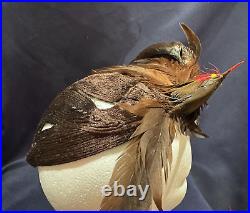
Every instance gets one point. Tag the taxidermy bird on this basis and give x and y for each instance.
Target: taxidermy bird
(149, 108)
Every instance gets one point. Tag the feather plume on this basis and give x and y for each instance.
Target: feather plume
(147, 155)
(128, 171)
(176, 184)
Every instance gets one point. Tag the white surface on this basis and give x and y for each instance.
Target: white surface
(77, 185)
(101, 104)
(47, 126)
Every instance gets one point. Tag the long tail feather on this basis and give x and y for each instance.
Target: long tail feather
(147, 155)
(128, 171)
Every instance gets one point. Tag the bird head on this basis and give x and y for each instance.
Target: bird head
(192, 95)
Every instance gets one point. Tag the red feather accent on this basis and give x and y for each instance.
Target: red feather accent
(202, 77)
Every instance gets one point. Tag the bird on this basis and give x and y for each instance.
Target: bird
(148, 105)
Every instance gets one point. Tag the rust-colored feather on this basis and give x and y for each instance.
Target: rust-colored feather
(142, 107)
(158, 71)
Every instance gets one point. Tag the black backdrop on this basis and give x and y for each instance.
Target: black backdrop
(49, 46)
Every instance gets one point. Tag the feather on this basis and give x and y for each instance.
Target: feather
(158, 154)
(165, 74)
(150, 120)
(154, 170)
(176, 185)
(147, 155)
(128, 171)
(154, 76)
(142, 107)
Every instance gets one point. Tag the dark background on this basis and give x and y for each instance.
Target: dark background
(49, 46)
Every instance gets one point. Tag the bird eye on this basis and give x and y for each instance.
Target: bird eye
(181, 52)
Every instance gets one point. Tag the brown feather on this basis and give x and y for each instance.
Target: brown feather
(148, 152)
(128, 171)
(159, 71)
(158, 152)
(142, 107)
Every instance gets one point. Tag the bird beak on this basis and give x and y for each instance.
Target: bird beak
(232, 68)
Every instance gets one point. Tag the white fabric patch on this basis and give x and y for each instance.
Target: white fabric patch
(101, 104)
(47, 126)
